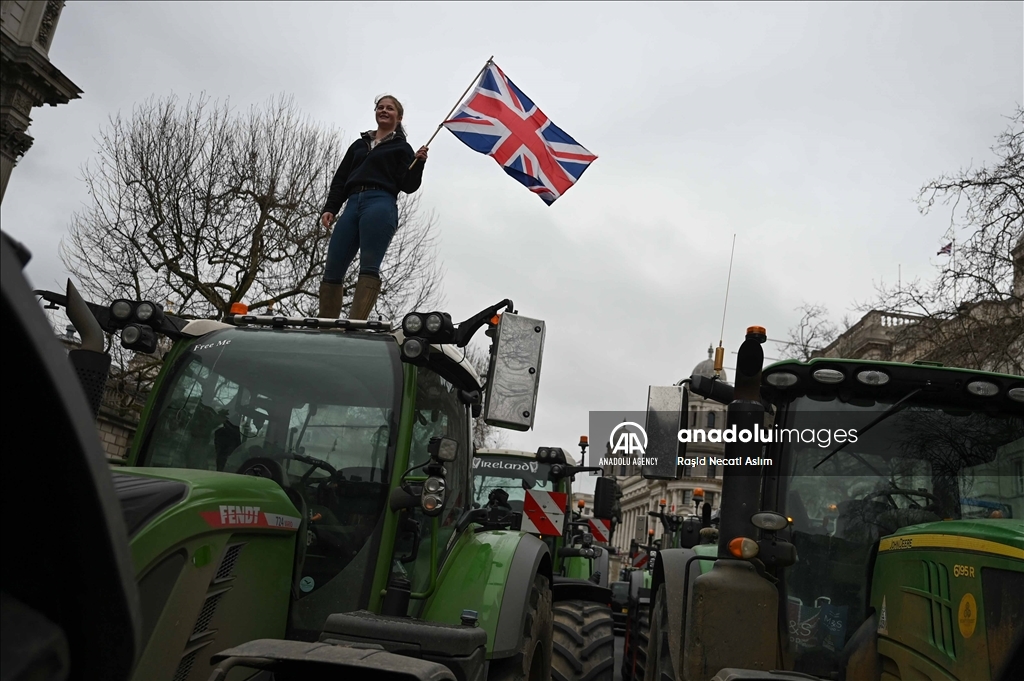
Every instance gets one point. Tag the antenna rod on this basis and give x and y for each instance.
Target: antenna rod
(720, 350)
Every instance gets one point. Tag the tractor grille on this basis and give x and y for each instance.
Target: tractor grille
(205, 615)
(185, 666)
(201, 628)
(936, 577)
(227, 564)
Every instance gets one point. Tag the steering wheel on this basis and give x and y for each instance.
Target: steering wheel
(888, 494)
(264, 467)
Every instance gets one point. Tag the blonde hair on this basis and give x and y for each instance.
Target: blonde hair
(398, 107)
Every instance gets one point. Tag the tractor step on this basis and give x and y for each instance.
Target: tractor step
(461, 648)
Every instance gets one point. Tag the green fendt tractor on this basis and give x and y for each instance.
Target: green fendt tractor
(584, 637)
(299, 492)
(871, 527)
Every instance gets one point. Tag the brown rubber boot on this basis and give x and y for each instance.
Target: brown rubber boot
(330, 300)
(367, 288)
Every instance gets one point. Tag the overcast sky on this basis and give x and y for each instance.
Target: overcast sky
(805, 129)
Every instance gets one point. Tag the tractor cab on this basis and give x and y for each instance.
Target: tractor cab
(859, 498)
(877, 458)
(310, 479)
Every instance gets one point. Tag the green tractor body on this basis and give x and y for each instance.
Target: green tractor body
(881, 538)
(584, 634)
(292, 492)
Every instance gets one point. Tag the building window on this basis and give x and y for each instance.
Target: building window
(693, 421)
(711, 419)
(687, 471)
(712, 470)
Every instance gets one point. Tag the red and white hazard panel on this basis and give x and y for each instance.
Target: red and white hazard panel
(640, 560)
(601, 529)
(544, 513)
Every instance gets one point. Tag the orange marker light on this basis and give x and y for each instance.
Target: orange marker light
(650, 533)
(742, 547)
(239, 308)
(698, 493)
(495, 319)
(580, 503)
(584, 440)
(757, 329)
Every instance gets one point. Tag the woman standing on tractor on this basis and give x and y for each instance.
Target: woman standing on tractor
(375, 168)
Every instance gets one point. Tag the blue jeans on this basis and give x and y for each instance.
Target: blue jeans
(366, 225)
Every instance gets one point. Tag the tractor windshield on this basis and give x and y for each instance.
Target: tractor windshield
(315, 411)
(513, 474)
(922, 463)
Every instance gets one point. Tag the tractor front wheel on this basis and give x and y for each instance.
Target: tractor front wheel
(659, 649)
(533, 661)
(584, 642)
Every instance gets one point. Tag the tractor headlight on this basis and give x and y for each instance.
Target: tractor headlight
(1016, 394)
(412, 324)
(828, 376)
(872, 377)
(433, 322)
(982, 388)
(144, 312)
(131, 335)
(138, 338)
(781, 379)
(433, 485)
(770, 521)
(413, 348)
(121, 310)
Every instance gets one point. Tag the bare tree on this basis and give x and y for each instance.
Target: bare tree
(972, 313)
(196, 205)
(813, 332)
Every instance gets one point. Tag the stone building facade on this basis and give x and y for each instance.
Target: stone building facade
(640, 496)
(886, 336)
(27, 77)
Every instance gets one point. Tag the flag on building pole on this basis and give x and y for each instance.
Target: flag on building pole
(497, 119)
(946, 250)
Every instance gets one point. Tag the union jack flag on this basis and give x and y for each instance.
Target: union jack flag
(946, 250)
(497, 119)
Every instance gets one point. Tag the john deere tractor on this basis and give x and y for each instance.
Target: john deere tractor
(871, 526)
(299, 494)
(537, 488)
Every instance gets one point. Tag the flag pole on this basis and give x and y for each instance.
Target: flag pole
(457, 102)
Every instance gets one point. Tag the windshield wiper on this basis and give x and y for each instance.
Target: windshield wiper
(893, 408)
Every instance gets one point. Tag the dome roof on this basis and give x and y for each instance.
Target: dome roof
(707, 367)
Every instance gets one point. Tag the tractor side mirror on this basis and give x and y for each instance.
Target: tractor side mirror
(443, 449)
(513, 376)
(666, 407)
(605, 492)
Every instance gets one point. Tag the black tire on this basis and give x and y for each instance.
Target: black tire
(628, 648)
(660, 667)
(533, 661)
(640, 643)
(584, 642)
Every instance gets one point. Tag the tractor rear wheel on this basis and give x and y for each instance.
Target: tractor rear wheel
(533, 661)
(641, 642)
(584, 642)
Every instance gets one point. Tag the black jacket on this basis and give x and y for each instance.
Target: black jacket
(386, 165)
